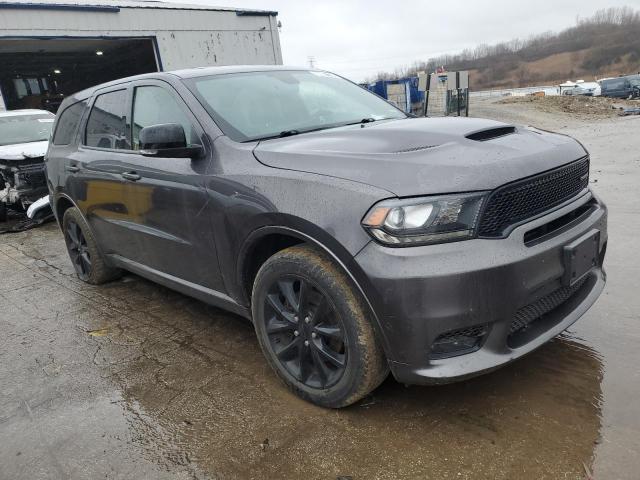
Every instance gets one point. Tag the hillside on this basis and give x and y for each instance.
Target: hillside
(606, 44)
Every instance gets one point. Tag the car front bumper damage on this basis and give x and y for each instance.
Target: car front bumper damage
(22, 181)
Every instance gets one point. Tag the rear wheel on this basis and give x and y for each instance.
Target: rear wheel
(314, 330)
(87, 260)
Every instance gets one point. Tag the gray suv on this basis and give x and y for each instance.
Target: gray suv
(357, 239)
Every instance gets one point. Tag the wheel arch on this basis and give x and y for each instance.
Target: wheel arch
(60, 205)
(249, 264)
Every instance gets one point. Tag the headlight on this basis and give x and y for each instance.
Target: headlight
(419, 221)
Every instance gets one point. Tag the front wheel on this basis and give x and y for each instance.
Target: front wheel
(314, 330)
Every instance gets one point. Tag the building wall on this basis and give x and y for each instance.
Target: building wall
(185, 38)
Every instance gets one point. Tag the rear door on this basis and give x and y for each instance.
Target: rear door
(96, 183)
(171, 221)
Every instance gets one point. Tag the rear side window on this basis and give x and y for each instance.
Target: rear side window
(615, 84)
(68, 122)
(107, 125)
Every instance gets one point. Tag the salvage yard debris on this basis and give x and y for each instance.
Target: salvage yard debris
(629, 111)
(16, 221)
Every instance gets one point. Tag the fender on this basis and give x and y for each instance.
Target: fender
(342, 258)
(54, 206)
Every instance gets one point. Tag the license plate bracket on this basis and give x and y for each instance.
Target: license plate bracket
(580, 257)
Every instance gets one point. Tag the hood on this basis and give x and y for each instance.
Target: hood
(422, 156)
(21, 151)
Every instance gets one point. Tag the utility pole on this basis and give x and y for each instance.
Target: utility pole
(312, 61)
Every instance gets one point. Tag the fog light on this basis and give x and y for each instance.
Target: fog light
(459, 342)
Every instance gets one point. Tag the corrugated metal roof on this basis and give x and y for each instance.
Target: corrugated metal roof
(118, 4)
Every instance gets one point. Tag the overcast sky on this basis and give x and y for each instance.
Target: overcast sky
(358, 38)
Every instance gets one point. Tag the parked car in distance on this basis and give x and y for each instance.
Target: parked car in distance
(634, 81)
(621, 87)
(356, 238)
(588, 89)
(24, 137)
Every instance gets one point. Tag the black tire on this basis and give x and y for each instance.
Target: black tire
(307, 355)
(87, 260)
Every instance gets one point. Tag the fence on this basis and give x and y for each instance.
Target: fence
(446, 97)
(517, 92)
(446, 94)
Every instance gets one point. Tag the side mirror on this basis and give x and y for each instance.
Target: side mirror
(167, 140)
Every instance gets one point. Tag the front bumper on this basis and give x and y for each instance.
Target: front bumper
(22, 182)
(424, 292)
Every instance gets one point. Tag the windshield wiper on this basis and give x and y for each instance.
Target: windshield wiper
(367, 120)
(288, 133)
(362, 121)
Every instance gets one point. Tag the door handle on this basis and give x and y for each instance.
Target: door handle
(133, 176)
(72, 169)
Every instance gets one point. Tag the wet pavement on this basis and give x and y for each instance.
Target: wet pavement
(132, 380)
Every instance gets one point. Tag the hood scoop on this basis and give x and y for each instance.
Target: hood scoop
(491, 133)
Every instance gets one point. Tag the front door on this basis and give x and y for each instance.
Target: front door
(168, 195)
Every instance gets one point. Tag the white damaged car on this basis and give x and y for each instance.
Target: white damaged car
(24, 138)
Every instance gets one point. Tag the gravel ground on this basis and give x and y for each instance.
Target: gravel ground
(131, 380)
(578, 106)
(611, 329)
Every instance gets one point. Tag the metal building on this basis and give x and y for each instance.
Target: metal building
(51, 48)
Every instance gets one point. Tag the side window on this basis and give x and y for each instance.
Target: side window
(615, 84)
(68, 122)
(106, 127)
(153, 106)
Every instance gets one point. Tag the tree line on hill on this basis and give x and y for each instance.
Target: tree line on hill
(597, 46)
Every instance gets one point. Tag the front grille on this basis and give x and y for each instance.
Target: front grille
(524, 199)
(532, 312)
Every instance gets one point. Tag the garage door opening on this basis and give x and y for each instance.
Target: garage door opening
(39, 73)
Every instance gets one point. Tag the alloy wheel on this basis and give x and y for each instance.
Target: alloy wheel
(78, 250)
(305, 332)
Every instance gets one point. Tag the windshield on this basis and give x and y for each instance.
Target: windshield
(16, 129)
(258, 105)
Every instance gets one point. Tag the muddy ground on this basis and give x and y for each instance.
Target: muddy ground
(131, 380)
